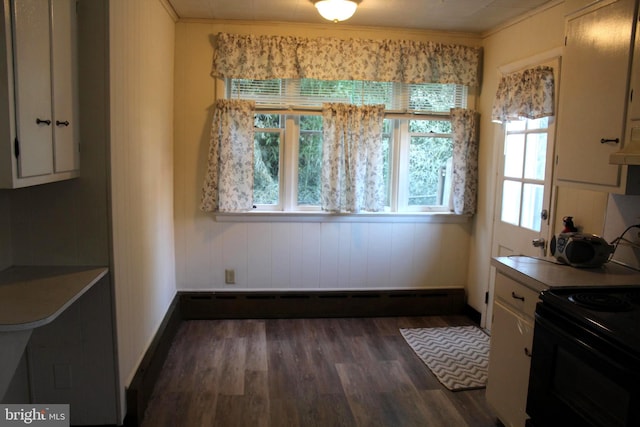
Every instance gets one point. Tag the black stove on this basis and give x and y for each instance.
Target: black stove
(585, 365)
(613, 311)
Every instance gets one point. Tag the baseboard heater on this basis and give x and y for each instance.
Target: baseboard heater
(309, 304)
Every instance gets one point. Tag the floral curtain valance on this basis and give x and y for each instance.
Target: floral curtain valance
(525, 94)
(406, 61)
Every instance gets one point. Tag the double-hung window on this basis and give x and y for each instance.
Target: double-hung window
(417, 139)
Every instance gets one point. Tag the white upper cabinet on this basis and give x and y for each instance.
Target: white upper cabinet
(65, 86)
(630, 153)
(593, 96)
(40, 67)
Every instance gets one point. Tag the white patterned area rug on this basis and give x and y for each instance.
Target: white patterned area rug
(458, 355)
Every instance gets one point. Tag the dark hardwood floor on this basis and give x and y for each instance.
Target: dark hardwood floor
(307, 372)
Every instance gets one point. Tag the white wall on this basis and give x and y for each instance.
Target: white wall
(292, 255)
(623, 212)
(314, 255)
(534, 35)
(141, 113)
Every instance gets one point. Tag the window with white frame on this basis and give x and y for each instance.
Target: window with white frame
(288, 146)
(525, 152)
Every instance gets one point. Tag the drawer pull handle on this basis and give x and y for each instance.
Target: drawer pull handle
(605, 140)
(528, 352)
(65, 123)
(41, 122)
(516, 296)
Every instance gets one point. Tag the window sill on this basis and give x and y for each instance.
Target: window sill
(267, 216)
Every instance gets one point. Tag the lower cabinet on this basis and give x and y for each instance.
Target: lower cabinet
(510, 354)
(72, 360)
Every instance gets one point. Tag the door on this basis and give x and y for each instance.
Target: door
(509, 366)
(523, 190)
(592, 116)
(65, 124)
(32, 76)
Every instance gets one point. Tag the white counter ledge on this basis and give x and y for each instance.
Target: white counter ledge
(540, 274)
(35, 296)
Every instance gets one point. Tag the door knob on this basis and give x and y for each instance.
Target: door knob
(538, 243)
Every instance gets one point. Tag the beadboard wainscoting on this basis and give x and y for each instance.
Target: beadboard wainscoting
(322, 255)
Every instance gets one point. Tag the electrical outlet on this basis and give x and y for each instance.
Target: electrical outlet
(230, 277)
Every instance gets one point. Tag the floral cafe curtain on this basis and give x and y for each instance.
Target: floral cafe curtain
(525, 94)
(464, 126)
(228, 185)
(352, 158)
(283, 57)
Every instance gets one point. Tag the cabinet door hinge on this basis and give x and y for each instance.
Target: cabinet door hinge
(16, 148)
(486, 297)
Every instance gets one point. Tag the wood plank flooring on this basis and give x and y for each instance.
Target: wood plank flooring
(307, 372)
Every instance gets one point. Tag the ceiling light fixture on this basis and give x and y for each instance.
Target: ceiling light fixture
(336, 10)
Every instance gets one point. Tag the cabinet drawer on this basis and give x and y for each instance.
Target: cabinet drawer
(516, 295)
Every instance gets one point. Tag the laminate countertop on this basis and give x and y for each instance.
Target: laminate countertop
(35, 296)
(544, 273)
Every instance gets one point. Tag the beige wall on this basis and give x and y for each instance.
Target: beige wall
(292, 255)
(588, 209)
(532, 36)
(141, 112)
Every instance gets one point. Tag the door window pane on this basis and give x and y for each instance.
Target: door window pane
(541, 123)
(536, 156)
(531, 206)
(511, 201)
(513, 156)
(516, 125)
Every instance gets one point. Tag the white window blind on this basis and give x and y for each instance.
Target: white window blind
(310, 93)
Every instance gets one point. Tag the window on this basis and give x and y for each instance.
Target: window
(288, 147)
(525, 153)
(397, 97)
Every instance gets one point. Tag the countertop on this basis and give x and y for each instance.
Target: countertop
(34, 296)
(544, 273)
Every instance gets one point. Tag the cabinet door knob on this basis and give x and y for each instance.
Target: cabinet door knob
(604, 140)
(43, 122)
(527, 352)
(65, 123)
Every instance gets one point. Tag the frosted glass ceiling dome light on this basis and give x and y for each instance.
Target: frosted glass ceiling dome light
(336, 10)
